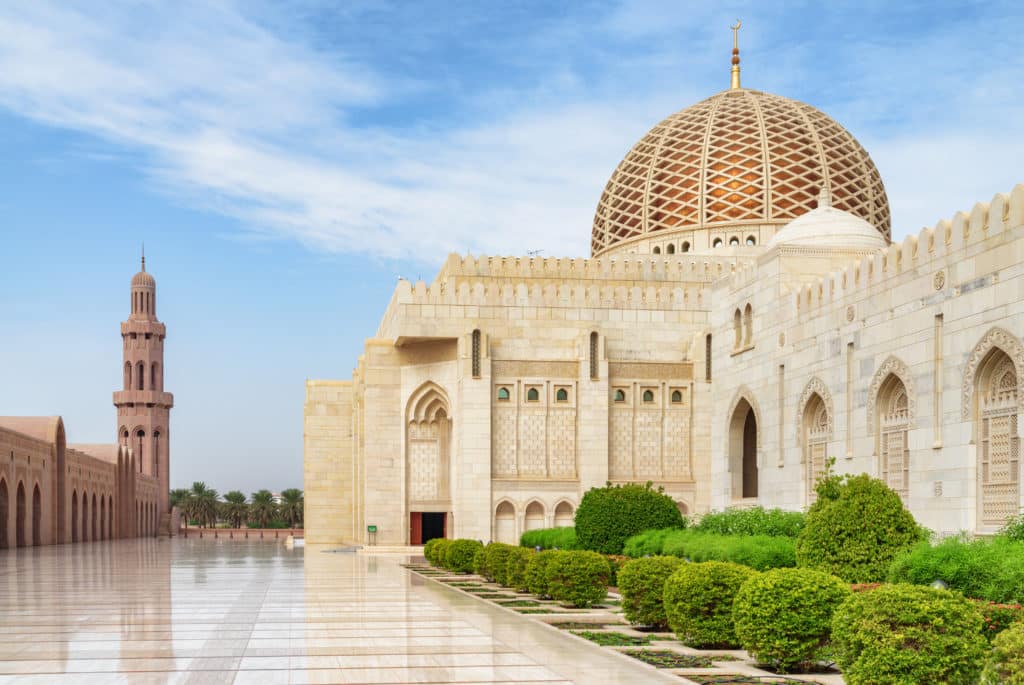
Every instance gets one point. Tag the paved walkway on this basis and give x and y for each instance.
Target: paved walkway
(206, 611)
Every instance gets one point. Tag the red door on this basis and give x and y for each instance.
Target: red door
(415, 528)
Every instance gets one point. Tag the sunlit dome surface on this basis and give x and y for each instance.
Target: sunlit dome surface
(741, 157)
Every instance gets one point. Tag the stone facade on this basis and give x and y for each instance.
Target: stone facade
(724, 360)
(53, 492)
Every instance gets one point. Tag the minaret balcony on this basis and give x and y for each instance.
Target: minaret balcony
(144, 397)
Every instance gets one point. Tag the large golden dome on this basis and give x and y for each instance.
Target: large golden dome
(741, 157)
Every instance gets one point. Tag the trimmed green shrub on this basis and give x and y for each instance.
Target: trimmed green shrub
(642, 586)
(440, 551)
(753, 521)
(1005, 665)
(992, 570)
(460, 553)
(429, 549)
(549, 538)
(756, 551)
(578, 577)
(698, 602)
(648, 543)
(615, 564)
(784, 617)
(855, 529)
(480, 563)
(997, 617)
(515, 567)
(496, 557)
(536, 572)
(1014, 528)
(608, 516)
(908, 634)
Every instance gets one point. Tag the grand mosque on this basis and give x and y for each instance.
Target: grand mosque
(743, 318)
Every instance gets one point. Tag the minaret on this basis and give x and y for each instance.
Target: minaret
(143, 408)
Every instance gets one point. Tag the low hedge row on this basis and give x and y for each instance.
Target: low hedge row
(752, 521)
(454, 555)
(991, 570)
(550, 538)
(760, 552)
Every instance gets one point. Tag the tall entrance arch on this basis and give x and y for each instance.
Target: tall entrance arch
(4, 505)
(37, 516)
(742, 447)
(427, 454)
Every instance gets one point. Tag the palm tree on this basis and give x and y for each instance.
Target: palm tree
(202, 504)
(262, 508)
(179, 498)
(291, 507)
(235, 508)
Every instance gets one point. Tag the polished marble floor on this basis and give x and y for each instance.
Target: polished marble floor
(206, 611)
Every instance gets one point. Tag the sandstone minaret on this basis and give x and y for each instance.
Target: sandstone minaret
(143, 408)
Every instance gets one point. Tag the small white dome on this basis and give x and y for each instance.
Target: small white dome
(827, 226)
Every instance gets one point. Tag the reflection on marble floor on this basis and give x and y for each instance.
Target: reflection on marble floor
(204, 611)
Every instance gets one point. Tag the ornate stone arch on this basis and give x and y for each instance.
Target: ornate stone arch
(745, 393)
(428, 431)
(815, 386)
(895, 366)
(1006, 341)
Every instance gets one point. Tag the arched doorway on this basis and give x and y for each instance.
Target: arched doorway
(815, 442)
(998, 439)
(505, 523)
(428, 431)
(893, 416)
(74, 516)
(534, 516)
(4, 508)
(19, 520)
(743, 450)
(563, 515)
(37, 516)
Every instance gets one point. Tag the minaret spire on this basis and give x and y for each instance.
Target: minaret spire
(735, 84)
(143, 256)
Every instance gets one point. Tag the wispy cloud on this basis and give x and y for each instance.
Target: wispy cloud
(306, 136)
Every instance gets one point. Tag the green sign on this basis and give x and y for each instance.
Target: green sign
(371, 529)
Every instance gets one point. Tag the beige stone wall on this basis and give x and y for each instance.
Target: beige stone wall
(25, 462)
(328, 468)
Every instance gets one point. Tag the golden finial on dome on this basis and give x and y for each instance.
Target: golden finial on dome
(735, 55)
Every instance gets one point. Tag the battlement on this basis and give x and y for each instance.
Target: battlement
(1004, 214)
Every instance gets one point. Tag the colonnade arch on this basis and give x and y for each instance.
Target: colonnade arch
(4, 505)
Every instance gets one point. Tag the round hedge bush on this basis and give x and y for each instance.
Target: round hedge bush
(902, 634)
(536, 572)
(480, 563)
(496, 556)
(784, 616)
(460, 554)
(1005, 665)
(515, 567)
(609, 516)
(642, 586)
(577, 577)
(855, 529)
(440, 552)
(698, 602)
(429, 550)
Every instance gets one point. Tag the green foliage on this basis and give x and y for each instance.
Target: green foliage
(753, 521)
(262, 509)
(997, 617)
(784, 616)
(608, 516)
(761, 552)
(480, 563)
(992, 570)
(698, 602)
(578, 577)
(235, 508)
(1014, 528)
(536, 572)
(515, 567)
(613, 639)
(615, 564)
(550, 538)
(460, 553)
(902, 634)
(649, 542)
(429, 551)
(1005, 665)
(496, 557)
(440, 552)
(641, 583)
(292, 506)
(855, 528)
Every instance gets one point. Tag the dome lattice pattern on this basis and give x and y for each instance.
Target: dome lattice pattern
(741, 156)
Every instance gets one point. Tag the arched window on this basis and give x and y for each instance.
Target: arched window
(707, 357)
(534, 518)
(19, 516)
(998, 441)
(124, 438)
(74, 516)
(127, 375)
(505, 523)
(815, 441)
(748, 325)
(620, 396)
(737, 328)
(532, 395)
(893, 419)
(154, 384)
(751, 240)
(648, 396)
(140, 436)
(476, 353)
(686, 247)
(593, 356)
(733, 241)
(657, 250)
(156, 453)
(37, 516)
(717, 242)
(671, 249)
(141, 373)
(503, 394)
(563, 515)
(677, 397)
(562, 395)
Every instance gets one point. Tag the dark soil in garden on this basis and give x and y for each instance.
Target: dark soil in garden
(580, 625)
(520, 603)
(662, 658)
(612, 639)
(739, 679)
(539, 611)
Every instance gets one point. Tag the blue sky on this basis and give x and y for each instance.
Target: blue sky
(285, 162)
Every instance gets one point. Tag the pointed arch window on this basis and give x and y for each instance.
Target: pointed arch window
(562, 395)
(619, 396)
(503, 394)
(671, 249)
(998, 441)
(677, 397)
(593, 356)
(648, 396)
(476, 353)
(533, 395)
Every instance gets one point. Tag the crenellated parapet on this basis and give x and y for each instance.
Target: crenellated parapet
(929, 250)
